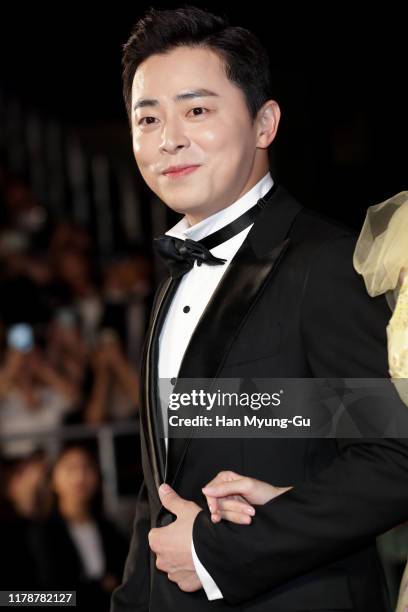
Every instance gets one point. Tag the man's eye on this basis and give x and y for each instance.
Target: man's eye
(147, 122)
(199, 108)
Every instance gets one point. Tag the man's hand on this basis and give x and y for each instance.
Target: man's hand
(172, 543)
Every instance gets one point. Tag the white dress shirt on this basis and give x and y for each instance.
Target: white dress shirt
(192, 296)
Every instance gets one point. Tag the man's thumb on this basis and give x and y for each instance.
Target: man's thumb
(170, 499)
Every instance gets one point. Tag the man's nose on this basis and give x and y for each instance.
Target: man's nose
(173, 137)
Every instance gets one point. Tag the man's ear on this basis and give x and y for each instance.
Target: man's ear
(267, 120)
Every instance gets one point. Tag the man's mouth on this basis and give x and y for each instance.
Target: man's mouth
(180, 171)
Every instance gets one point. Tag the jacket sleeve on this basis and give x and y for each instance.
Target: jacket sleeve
(132, 595)
(362, 493)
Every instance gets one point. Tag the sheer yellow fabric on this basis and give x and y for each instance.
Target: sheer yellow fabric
(381, 257)
(397, 334)
(402, 605)
(381, 251)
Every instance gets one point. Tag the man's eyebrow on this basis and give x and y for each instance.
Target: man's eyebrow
(188, 95)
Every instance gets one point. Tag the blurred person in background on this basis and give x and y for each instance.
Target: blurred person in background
(75, 546)
(127, 291)
(78, 282)
(115, 389)
(21, 481)
(65, 347)
(22, 209)
(33, 396)
(67, 235)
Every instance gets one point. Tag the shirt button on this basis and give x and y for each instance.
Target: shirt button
(173, 381)
(186, 309)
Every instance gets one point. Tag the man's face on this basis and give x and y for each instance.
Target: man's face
(213, 131)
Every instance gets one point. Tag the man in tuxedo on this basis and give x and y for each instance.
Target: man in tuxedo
(259, 286)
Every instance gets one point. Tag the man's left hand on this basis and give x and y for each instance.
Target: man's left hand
(172, 543)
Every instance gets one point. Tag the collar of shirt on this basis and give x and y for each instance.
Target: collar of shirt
(221, 218)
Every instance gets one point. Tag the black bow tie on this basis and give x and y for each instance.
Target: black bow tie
(179, 255)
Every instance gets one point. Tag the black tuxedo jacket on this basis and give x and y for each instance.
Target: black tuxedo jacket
(289, 305)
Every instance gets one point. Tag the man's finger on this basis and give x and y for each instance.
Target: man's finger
(179, 575)
(152, 538)
(225, 476)
(170, 499)
(235, 487)
(235, 517)
(190, 584)
(212, 503)
(159, 563)
(235, 506)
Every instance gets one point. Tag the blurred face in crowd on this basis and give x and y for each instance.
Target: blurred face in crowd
(185, 111)
(131, 276)
(73, 268)
(75, 476)
(70, 236)
(24, 482)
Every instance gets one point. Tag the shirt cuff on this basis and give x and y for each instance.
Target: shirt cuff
(210, 587)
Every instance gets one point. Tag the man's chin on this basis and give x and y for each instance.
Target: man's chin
(188, 208)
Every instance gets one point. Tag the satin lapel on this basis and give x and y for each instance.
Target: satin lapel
(231, 302)
(150, 408)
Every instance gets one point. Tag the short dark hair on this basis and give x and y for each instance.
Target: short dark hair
(246, 61)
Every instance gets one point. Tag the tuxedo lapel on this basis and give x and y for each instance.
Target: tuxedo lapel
(231, 302)
(150, 405)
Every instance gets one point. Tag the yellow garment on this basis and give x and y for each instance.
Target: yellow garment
(402, 605)
(397, 334)
(381, 257)
(382, 248)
